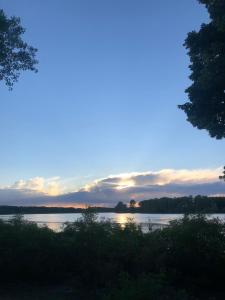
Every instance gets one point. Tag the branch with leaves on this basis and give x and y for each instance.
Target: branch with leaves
(222, 177)
(15, 54)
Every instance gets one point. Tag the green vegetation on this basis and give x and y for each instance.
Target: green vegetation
(15, 54)
(101, 260)
(189, 204)
(206, 49)
(222, 177)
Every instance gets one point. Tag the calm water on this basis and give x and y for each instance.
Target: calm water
(55, 221)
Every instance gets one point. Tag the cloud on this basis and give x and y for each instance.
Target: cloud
(162, 177)
(49, 186)
(109, 190)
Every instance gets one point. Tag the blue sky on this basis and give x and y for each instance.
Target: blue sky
(111, 74)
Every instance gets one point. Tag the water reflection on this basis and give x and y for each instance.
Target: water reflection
(123, 218)
(56, 221)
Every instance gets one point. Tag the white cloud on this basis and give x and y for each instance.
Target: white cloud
(49, 186)
(162, 177)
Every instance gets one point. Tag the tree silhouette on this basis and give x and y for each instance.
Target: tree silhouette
(132, 203)
(206, 48)
(120, 206)
(222, 177)
(15, 54)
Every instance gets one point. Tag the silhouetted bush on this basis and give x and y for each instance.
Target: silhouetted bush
(184, 261)
(145, 288)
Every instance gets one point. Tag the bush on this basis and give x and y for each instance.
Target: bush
(184, 261)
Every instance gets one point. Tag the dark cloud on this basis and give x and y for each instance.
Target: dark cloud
(109, 196)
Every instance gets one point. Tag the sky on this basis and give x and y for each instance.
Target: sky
(100, 118)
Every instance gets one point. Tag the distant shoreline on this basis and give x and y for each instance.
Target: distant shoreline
(10, 210)
(165, 205)
(6, 210)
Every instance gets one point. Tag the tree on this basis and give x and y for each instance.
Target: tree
(15, 54)
(206, 49)
(132, 203)
(223, 176)
(89, 216)
(120, 206)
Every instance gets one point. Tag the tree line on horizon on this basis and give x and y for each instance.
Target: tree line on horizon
(186, 204)
(179, 205)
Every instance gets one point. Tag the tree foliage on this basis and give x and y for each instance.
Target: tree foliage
(132, 203)
(105, 261)
(15, 54)
(206, 49)
(186, 204)
(222, 177)
(120, 207)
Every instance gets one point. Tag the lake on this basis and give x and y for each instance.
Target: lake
(56, 221)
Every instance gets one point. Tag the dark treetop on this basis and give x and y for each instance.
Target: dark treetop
(206, 48)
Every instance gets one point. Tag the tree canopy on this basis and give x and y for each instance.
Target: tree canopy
(222, 177)
(132, 203)
(120, 207)
(15, 54)
(206, 49)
